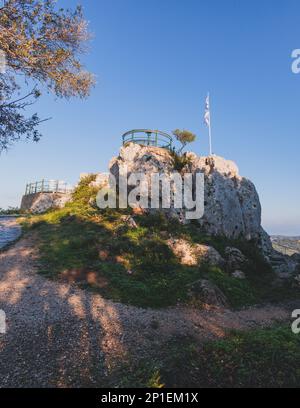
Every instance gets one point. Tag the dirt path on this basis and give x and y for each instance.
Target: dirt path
(58, 335)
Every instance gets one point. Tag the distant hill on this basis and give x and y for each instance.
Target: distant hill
(286, 245)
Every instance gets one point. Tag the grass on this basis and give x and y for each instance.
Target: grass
(100, 252)
(258, 358)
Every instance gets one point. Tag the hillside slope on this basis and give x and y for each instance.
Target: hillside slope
(137, 258)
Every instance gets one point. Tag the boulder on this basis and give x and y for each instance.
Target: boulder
(297, 280)
(194, 254)
(41, 202)
(208, 293)
(128, 220)
(238, 275)
(235, 259)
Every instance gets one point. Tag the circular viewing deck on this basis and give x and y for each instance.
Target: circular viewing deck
(148, 137)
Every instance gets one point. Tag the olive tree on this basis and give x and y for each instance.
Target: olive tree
(41, 45)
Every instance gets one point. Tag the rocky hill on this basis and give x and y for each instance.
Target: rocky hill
(128, 296)
(232, 207)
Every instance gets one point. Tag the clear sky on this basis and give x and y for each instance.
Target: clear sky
(155, 61)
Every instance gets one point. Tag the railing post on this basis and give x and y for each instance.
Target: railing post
(43, 181)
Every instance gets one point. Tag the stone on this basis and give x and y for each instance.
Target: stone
(235, 259)
(41, 202)
(93, 202)
(129, 221)
(238, 275)
(297, 279)
(194, 254)
(208, 293)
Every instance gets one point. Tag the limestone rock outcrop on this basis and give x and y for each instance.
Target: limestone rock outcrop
(41, 202)
(231, 203)
(232, 206)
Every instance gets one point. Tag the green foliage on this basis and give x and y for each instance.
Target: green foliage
(257, 358)
(239, 292)
(11, 211)
(179, 161)
(184, 137)
(144, 374)
(42, 44)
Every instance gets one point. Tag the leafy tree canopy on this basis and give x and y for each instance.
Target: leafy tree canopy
(41, 44)
(184, 137)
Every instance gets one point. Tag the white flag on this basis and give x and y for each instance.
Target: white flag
(207, 112)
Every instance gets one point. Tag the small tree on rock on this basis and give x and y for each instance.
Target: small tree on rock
(184, 137)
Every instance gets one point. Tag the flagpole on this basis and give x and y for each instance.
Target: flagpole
(209, 128)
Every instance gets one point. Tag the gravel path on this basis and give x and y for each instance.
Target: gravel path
(61, 336)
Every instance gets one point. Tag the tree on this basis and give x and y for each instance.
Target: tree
(42, 45)
(184, 137)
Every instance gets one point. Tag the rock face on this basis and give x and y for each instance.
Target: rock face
(232, 206)
(231, 202)
(40, 202)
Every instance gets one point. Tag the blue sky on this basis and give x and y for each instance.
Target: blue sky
(155, 61)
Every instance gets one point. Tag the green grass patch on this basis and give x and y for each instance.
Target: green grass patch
(258, 358)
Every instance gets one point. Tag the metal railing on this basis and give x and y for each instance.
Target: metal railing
(148, 137)
(47, 186)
